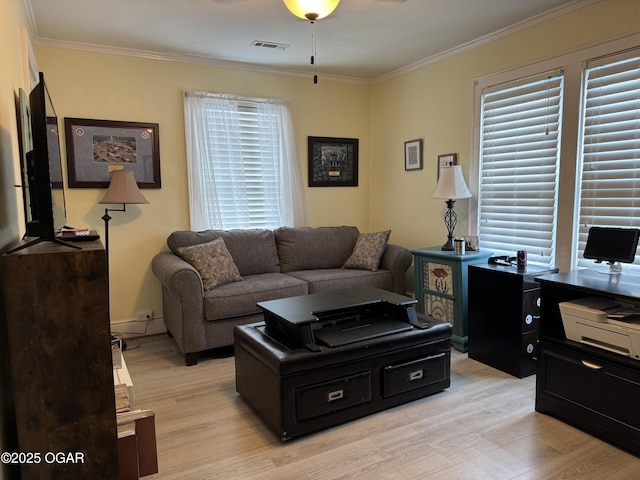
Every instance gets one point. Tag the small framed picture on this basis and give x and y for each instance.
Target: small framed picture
(446, 160)
(413, 155)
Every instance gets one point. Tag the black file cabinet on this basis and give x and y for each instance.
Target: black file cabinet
(504, 317)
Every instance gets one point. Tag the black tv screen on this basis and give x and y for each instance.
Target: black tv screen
(609, 244)
(42, 182)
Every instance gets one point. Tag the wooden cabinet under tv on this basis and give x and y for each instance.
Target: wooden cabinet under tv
(57, 318)
(586, 386)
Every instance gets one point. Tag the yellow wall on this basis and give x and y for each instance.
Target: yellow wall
(436, 103)
(12, 19)
(110, 87)
(12, 23)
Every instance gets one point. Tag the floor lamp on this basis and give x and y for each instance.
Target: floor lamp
(451, 187)
(122, 189)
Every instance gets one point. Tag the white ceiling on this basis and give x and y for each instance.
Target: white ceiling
(363, 39)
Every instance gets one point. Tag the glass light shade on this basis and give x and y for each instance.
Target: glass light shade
(451, 184)
(123, 189)
(311, 9)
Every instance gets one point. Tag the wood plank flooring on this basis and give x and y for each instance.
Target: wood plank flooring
(483, 427)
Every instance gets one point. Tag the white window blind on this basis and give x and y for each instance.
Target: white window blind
(243, 170)
(610, 147)
(246, 179)
(519, 156)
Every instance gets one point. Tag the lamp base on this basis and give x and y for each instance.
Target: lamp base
(448, 247)
(450, 220)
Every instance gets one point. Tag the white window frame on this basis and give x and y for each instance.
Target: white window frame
(572, 64)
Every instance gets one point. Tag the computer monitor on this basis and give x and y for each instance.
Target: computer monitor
(612, 245)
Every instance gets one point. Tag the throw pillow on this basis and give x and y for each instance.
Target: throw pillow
(213, 262)
(368, 251)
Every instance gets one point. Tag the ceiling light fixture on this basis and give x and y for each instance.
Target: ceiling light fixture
(312, 10)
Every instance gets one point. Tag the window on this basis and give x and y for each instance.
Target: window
(598, 155)
(519, 156)
(610, 147)
(242, 163)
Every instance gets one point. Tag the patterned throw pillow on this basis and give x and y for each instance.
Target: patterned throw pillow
(368, 251)
(213, 262)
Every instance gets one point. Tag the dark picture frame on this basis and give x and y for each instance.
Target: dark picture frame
(333, 162)
(446, 160)
(97, 147)
(413, 155)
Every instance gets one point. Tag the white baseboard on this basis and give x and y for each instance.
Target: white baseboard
(137, 328)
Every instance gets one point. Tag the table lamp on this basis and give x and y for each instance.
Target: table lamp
(451, 187)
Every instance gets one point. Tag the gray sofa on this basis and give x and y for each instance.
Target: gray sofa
(272, 264)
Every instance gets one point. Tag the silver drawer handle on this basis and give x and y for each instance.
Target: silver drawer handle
(336, 395)
(417, 375)
(593, 366)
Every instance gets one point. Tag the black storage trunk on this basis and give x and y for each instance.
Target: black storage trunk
(296, 391)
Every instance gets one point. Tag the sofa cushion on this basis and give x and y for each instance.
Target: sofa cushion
(330, 279)
(368, 251)
(238, 299)
(213, 262)
(307, 248)
(253, 250)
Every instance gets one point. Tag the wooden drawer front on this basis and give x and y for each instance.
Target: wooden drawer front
(415, 374)
(597, 385)
(328, 397)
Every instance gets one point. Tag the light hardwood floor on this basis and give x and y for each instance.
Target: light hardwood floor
(483, 427)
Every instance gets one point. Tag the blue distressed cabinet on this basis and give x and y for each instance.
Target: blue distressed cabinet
(440, 279)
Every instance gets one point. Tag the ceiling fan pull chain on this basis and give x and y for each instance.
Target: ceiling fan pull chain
(313, 60)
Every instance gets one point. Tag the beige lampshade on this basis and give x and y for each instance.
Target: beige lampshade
(451, 184)
(311, 9)
(123, 189)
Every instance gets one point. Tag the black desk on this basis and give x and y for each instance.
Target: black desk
(586, 386)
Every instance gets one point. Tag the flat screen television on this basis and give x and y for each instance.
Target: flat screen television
(41, 168)
(612, 245)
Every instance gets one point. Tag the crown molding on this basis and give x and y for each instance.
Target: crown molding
(191, 59)
(210, 61)
(491, 37)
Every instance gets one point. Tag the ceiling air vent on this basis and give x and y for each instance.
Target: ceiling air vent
(271, 45)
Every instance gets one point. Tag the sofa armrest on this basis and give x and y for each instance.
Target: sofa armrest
(182, 300)
(174, 273)
(397, 260)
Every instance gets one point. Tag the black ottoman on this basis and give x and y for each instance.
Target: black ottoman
(296, 391)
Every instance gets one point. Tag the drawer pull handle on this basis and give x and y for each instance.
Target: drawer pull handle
(335, 395)
(417, 375)
(593, 366)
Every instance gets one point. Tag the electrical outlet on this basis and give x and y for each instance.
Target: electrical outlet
(145, 316)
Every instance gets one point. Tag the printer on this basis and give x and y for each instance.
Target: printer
(604, 323)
